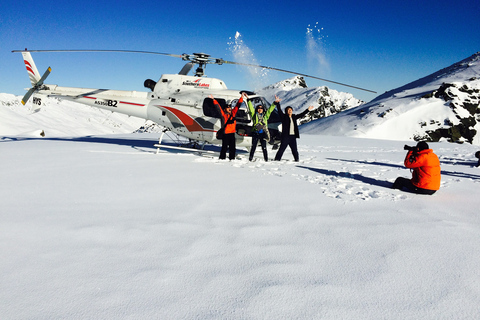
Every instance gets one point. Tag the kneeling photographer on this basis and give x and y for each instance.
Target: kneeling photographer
(425, 170)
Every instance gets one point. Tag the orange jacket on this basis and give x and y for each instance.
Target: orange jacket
(426, 169)
(230, 126)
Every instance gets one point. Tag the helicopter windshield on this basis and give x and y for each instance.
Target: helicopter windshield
(260, 101)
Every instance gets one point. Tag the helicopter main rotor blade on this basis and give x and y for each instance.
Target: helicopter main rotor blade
(89, 50)
(297, 73)
(202, 59)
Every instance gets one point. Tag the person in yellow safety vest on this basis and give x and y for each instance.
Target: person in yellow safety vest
(260, 125)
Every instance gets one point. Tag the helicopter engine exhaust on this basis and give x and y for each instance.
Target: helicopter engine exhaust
(150, 84)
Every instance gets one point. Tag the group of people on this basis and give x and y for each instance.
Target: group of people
(260, 133)
(424, 164)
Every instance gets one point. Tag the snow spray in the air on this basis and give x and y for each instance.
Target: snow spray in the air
(316, 49)
(257, 77)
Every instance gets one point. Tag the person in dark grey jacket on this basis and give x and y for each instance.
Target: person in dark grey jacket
(290, 132)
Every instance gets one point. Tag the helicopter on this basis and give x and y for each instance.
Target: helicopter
(179, 103)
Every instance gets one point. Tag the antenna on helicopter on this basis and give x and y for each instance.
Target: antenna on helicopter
(202, 59)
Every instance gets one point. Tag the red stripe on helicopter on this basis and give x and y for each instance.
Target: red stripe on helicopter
(30, 70)
(190, 123)
(27, 63)
(90, 97)
(133, 104)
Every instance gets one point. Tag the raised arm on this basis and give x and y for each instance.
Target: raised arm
(219, 107)
(304, 113)
(279, 108)
(414, 160)
(239, 103)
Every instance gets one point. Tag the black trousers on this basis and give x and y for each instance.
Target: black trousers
(291, 141)
(401, 183)
(228, 142)
(255, 137)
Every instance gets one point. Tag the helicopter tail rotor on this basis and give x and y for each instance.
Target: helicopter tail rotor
(34, 75)
(36, 87)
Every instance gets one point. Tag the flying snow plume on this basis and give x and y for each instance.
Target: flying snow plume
(316, 50)
(257, 77)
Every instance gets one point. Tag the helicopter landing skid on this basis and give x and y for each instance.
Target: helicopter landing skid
(188, 149)
(200, 151)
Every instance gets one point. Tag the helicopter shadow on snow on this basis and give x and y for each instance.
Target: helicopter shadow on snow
(142, 145)
(134, 143)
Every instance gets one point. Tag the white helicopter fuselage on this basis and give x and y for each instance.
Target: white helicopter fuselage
(179, 103)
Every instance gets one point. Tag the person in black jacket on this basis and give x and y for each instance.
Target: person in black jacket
(289, 130)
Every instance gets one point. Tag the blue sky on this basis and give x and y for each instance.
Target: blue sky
(378, 45)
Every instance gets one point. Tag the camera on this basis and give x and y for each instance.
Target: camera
(405, 147)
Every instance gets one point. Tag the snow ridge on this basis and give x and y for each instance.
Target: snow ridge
(441, 106)
(294, 92)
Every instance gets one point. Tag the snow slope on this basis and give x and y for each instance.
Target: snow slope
(417, 109)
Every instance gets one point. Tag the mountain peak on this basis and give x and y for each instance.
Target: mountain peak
(288, 84)
(294, 92)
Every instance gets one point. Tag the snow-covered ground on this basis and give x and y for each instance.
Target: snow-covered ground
(102, 227)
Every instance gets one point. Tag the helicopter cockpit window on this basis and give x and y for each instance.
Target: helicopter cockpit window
(260, 101)
(209, 108)
(233, 102)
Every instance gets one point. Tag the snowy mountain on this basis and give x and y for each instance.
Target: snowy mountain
(295, 93)
(441, 106)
